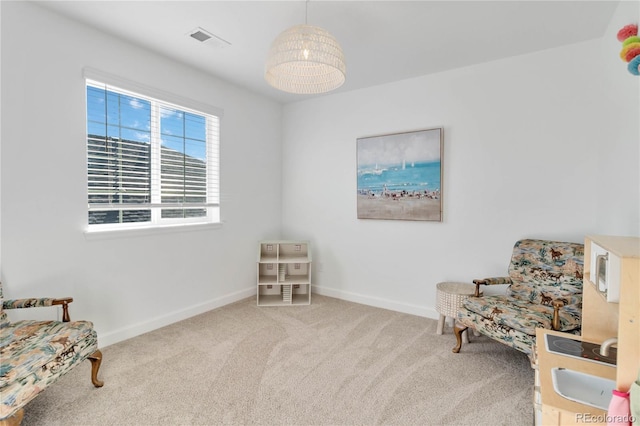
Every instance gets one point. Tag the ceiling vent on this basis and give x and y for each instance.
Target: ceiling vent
(208, 38)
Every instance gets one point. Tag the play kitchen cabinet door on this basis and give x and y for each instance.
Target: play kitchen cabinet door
(284, 273)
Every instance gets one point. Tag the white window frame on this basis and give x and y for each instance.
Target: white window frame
(158, 97)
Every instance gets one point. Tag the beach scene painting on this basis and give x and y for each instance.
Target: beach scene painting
(400, 176)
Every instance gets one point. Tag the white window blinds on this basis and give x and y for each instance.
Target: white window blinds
(150, 162)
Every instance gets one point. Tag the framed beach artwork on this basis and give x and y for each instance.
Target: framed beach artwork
(400, 176)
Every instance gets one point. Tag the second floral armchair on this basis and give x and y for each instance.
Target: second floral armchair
(545, 290)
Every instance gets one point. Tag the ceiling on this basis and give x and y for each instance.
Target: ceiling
(383, 41)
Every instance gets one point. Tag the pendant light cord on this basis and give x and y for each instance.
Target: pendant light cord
(306, 11)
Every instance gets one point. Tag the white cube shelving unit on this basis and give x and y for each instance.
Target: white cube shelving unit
(284, 273)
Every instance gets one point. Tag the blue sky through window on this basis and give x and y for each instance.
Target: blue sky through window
(118, 116)
(183, 132)
(126, 117)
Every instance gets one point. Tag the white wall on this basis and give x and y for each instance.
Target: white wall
(132, 284)
(523, 137)
(618, 212)
(0, 148)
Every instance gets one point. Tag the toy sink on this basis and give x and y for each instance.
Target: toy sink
(583, 388)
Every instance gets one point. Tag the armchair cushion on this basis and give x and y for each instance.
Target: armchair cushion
(42, 347)
(510, 337)
(522, 315)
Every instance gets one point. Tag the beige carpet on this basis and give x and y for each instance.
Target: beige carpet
(331, 363)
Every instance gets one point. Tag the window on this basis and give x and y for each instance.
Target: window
(150, 162)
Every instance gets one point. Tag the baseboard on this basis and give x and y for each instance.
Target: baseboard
(106, 339)
(377, 302)
(113, 337)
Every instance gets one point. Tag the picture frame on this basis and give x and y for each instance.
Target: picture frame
(399, 175)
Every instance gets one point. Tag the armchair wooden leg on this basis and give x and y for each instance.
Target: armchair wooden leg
(458, 332)
(96, 360)
(555, 323)
(14, 420)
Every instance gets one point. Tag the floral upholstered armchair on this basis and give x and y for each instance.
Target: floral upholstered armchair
(34, 354)
(545, 290)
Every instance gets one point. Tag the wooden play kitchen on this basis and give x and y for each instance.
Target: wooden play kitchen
(614, 325)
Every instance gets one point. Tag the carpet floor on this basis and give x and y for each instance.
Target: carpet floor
(330, 363)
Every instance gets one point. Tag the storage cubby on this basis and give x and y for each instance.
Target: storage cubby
(284, 273)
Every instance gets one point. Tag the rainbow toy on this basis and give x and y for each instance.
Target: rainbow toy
(634, 66)
(630, 52)
(627, 31)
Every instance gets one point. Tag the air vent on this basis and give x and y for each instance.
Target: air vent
(208, 38)
(200, 35)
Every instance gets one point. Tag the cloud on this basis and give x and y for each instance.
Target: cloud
(168, 113)
(136, 104)
(145, 137)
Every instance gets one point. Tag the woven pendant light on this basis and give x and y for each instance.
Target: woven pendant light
(305, 59)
